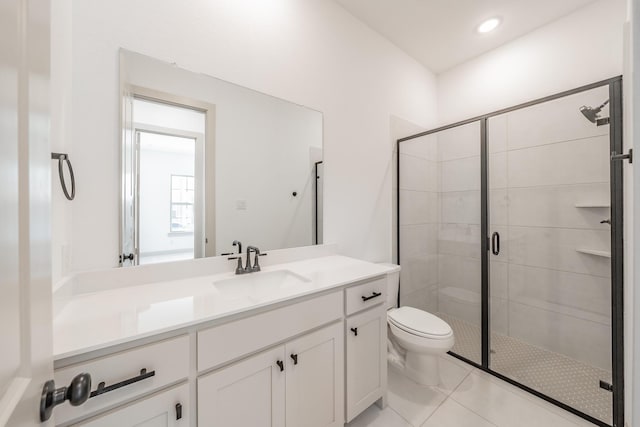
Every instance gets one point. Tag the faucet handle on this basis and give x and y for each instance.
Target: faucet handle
(239, 268)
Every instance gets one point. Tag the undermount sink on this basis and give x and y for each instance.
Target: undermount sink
(260, 286)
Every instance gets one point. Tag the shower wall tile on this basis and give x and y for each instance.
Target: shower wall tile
(418, 207)
(497, 133)
(579, 295)
(459, 142)
(460, 303)
(459, 239)
(418, 272)
(466, 305)
(461, 207)
(499, 279)
(498, 207)
(572, 162)
(580, 339)
(499, 321)
(555, 248)
(556, 206)
(425, 147)
(425, 299)
(418, 174)
(459, 272)
(555, 121)
(419, 240)
(498, 170)
(460, 175)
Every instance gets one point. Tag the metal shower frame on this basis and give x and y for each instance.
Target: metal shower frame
(616, 193)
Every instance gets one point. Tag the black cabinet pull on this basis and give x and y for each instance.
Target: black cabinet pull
(495, 243)
(295, 359)
(374, 295)
(102, 389)
(355, 331)
(280, 364)
(178, 411)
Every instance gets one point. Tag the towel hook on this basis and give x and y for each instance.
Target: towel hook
(63, 157)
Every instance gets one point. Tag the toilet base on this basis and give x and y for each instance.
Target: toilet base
(422, 368)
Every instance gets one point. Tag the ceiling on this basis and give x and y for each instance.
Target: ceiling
(442, 33)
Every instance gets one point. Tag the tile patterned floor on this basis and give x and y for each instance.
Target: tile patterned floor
(466, 397)
(570, 381)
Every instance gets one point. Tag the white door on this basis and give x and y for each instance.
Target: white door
(25, 193)
(315, 379)
(248, 393)
(167, 409)
(366, 359)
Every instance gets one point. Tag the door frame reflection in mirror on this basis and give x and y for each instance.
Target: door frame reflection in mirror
(204, 234)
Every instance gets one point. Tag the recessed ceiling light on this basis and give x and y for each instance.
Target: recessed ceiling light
(489, 25)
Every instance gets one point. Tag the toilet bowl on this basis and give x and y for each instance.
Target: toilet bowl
(416, 338)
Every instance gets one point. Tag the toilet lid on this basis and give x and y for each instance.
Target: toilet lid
(419, 322)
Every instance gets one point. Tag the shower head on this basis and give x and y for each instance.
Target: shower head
(592, 113)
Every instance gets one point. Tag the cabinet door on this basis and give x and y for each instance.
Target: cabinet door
(315, 379)
(247, 393)
(166, 409)
(366, 360)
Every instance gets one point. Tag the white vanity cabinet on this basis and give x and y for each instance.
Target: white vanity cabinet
(169, 408)
(296, 384)
(310, 362)
(315, 379)
(366, 346)
(248, 393)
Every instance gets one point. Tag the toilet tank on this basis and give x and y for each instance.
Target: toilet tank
(393, 284)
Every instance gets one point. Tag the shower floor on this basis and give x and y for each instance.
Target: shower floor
(567, 380)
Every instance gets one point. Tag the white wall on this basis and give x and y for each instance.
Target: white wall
(312, 53)
(581, 48)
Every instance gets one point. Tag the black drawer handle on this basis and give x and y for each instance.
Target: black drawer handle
(280, 364)
(102, 389)
(355, 331)
(178, 411)
(295, 359)
(375, 295)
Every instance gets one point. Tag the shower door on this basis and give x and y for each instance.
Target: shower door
(549, 250)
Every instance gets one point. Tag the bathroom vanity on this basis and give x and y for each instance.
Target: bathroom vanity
(301, 343)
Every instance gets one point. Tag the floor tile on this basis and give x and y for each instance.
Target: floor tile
(536, 400)
(570, 381)
(376, 417)
(414, 402)
(452, 414)
(503, 407)
(451, 374)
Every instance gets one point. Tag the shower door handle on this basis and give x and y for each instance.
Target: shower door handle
(495, 243)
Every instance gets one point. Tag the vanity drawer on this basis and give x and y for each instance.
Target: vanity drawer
(232, 340)
(366, 295)
(168, 360)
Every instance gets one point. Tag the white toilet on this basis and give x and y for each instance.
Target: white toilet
(416, 338)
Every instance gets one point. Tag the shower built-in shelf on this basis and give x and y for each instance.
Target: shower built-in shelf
(603, 254)
(593, 205)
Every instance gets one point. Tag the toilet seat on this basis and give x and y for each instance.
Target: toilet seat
(419, 323)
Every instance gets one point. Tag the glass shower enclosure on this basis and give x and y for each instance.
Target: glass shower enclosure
(510, 229)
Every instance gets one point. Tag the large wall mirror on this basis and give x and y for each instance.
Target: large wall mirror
(205, 162)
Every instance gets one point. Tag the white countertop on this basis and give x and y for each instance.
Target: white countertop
(85, 322)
